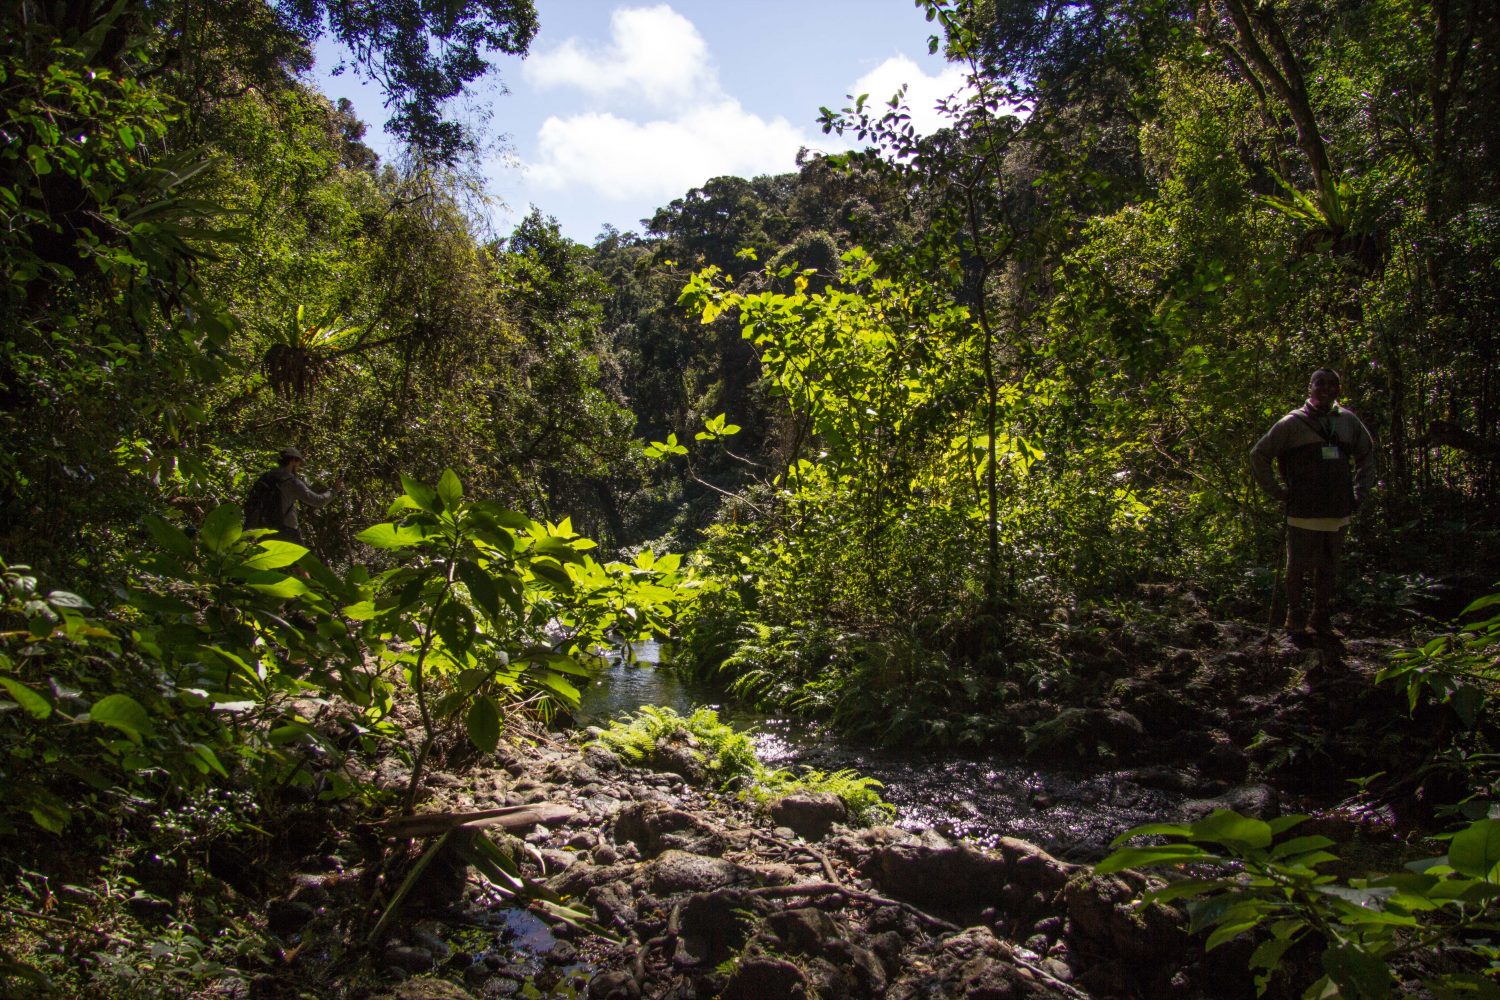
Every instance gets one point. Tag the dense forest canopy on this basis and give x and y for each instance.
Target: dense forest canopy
(899, 415)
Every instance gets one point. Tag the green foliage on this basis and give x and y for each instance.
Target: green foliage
(729, 760)
(1249, 878)
(1457, 668)
(859, 793)
(726, 754)
(487, 607)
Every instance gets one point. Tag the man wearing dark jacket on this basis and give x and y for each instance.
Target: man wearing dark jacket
(294, 491)
(1312, 448)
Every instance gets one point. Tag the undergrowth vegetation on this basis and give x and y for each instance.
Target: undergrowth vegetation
(724, 758)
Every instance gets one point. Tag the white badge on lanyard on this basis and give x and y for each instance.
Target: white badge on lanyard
(1330, 451)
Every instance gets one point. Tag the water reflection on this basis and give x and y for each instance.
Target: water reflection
(1070, 813)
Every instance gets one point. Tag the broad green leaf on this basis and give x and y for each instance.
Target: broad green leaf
(1282, 824)
(424, 496)
(1151, 829)
(1298, 845)
(449, 490)
(1227, 827)
(481, 587)
(550, 572)
(69, 600)
(1186, 887)
(50, 817)
(360, 611)
(124, 713)
(169, 537)
(1358, 972)
(210, 759)
(292, 732)
(1226, 932)
(388, 536)
(274, 584)
(274, 554)
(503, 516)
(1146, 857)
(556, 548)
(483, 723)
(1475, 850)
(222, 527)
(559, 686)
(455, 624)
(35, 705)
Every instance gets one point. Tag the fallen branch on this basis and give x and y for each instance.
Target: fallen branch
(854, 895)
(505, 817)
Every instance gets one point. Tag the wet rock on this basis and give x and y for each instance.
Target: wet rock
(825, 980)
(710, 926)
(1255, 801)
(940, 875)
(1033, 868)
(614, 985)
(976, 965)
(763, 977)
(1172, 779)
(804, 930)
(424, 988)
(613, 903)
(868, 972)
(1225, 760)
(1102, 910)
(409, 957)
(645, 823)
(602, 760)
(810, 814)
(582, 876)
(677, 871)
(682, 759)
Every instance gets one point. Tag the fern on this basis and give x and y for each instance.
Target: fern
(731, 761)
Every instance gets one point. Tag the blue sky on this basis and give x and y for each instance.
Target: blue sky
(620, 107)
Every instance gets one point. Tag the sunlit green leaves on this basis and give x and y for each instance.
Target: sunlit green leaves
(221, 528)
(123, 713)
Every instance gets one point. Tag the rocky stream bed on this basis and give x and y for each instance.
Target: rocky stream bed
(696, 895)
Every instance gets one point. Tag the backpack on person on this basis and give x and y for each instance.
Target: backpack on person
(263, 505)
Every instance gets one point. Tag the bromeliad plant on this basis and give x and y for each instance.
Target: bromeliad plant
(1260, 881)
(488, 607)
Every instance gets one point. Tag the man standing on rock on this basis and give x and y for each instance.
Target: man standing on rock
(1313, 447)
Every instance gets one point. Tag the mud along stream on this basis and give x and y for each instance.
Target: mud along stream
(1070, 812)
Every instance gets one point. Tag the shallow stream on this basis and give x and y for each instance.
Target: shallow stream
(1069, 812)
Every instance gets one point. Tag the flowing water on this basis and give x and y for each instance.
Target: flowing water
(1069, 812)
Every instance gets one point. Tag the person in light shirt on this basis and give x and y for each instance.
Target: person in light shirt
(1319, 460)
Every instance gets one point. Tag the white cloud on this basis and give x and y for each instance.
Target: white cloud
(922, 91)
(621, 159)
(655, 56)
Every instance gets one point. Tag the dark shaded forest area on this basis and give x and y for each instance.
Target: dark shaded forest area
(939, 443)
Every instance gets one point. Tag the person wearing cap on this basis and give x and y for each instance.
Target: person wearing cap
(294, 491)
(1313, 449)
